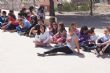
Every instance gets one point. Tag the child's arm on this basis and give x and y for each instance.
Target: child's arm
(105, 43)
(47, 38)
(77, 44)
(31, 30)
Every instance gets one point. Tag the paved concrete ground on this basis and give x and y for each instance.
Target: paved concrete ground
(18, 55)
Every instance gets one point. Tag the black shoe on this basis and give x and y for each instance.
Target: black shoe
(42, 55)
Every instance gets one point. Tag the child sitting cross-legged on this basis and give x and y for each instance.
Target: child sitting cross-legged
(24, 24)
(42, 37)
(104, 43)
(90, 43)
(35, 28)
(60, 37)
(12, 23)
(53, 28)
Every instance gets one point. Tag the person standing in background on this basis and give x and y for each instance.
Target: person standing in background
(59, 5)
(41, 13)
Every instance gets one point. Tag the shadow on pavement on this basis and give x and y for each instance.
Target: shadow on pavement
(97, 21)
(104, 56)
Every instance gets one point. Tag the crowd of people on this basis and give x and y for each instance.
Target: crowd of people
(30, 23)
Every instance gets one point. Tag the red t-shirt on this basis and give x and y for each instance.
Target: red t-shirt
(13, 21)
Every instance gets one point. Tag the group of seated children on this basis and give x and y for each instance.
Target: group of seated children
(73, 39)
(67, 41)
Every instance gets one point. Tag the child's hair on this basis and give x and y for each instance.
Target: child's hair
(11, 11)
(41, 7)
(73, 24)
(91, 30)
(108, 28)
(83, 29)
(35, 19)
(39, 32)
(4, 12)
(22, 14)
(23, 10)
(54, 23)
(61, 24)
(71, 28)
(12, 15)
(41, 21)
(20, 20)
(31, 8)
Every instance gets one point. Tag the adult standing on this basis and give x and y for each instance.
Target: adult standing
(59, 5)
(41, 12)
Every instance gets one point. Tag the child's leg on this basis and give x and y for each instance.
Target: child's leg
(37, 43)
(64, 49)
(105, 49)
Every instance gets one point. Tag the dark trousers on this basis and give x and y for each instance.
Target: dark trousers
(86, 46)
(11, 27)
(107, 49)
(64, 49)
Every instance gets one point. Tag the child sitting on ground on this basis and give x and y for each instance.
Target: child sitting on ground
(60, 37)
(12, 23)
(24, 24)
(74, 25)
(42, 37)
(53, 28)
(71, 45)
(35, 28)
(104, 42)
(90, 44)
(4, 19)
(83, 37)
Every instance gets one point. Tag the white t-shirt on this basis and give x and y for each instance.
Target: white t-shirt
(94, 38)
(43, 37)
(72, 44)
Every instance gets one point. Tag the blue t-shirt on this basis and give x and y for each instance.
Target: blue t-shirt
(27, 24)
(105, 38)
(1, 21)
